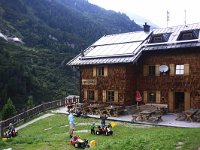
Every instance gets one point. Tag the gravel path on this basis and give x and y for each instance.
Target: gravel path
(32, 121)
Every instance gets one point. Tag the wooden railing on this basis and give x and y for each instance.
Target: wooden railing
(34, 111)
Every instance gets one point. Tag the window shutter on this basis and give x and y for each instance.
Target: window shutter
(145, 70)
(116, 97)
(96, 95)
(186, 69)
(145, 96)
(85, 95)
(158, 97)
(104, 95)
(105, 71)
(171, 69)
(94, 72)
(157, 70)
(187, 100)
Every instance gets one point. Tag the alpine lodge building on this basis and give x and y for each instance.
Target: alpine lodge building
(162, 64)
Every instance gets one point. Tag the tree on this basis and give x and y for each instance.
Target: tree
(29, 103)
(8, 110)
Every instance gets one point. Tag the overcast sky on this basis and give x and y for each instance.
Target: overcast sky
(156, 10)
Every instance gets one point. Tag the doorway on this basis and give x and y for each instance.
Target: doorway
(179, 101)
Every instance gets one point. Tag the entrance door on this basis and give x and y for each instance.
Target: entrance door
(179, 101)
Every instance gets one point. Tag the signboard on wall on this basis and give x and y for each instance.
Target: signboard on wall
(89, 81)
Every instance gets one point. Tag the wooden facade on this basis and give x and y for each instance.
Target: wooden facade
(125, 79)
(175, 90)
(116, 78)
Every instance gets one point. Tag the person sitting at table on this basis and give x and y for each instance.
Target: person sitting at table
(111, 109)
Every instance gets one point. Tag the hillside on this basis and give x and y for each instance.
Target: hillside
(53, 32)
(38, 72)
(62, 25)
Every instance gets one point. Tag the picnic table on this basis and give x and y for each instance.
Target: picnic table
(189, 114)
(162, 107)
(146, 114)
(196, 116)
(113, 110)
(94, 108)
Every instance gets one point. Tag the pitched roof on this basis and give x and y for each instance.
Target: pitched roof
(127, 47)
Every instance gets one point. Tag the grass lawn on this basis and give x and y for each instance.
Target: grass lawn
(52, 134)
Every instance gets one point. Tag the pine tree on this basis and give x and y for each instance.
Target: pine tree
(29, 103)
(8, 110)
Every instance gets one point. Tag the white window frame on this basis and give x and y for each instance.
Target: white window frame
(180, 69)
(100, 71)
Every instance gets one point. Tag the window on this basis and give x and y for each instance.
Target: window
(152, 70)
(159, 38)
(188, 35)
(179, 69)
(90, 95)
(100, 71)
(110, 96)
(152, 97)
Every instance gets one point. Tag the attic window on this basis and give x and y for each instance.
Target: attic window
(188, 35)
(159, 38)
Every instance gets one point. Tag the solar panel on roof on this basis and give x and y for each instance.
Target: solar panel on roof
(115, 49)
(122, 38)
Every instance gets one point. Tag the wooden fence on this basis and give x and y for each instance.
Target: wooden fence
(34, 111)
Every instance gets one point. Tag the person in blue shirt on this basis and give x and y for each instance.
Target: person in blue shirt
(71, 124)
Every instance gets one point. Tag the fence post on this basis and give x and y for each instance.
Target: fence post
(1, 128)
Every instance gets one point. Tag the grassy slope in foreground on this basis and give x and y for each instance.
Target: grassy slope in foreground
(52, 134)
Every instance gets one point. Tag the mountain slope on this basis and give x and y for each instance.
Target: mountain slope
(53, 31)
(70, 22)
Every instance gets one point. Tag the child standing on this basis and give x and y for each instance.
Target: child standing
(71, 124)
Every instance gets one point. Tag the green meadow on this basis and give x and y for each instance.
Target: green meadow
(52, 134)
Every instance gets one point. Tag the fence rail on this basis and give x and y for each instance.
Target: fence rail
(34, 111)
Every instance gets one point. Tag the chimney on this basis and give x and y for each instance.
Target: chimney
(82, 53)
(146, 27)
